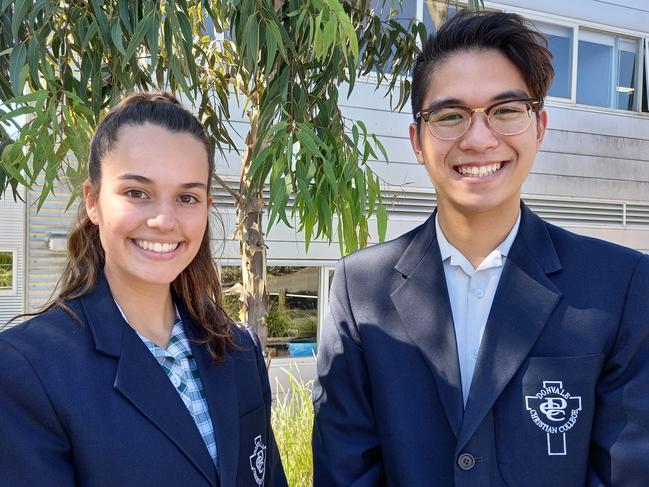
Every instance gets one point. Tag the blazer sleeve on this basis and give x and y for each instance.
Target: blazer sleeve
(346, 447)
(274, 476)
(620, 437)
(34, 449)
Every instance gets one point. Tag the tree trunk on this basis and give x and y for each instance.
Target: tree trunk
(250, 212)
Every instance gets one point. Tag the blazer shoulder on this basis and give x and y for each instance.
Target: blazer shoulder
(593, 250)
(245, 339)
(50, 330)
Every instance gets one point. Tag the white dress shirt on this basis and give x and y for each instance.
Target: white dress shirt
(471, 292)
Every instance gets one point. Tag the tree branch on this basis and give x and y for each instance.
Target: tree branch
(229, 189)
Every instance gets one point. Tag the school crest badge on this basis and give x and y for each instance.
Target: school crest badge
(555, 411)
(258, 461)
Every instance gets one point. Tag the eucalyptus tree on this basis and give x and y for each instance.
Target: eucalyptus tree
(64, 63)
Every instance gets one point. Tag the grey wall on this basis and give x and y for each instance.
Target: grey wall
(12, 233)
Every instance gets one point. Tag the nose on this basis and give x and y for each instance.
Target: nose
(164, 218)
(480, 137)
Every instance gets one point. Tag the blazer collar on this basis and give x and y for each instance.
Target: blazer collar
(423, 304)
(524, 301)
(141, 380)
(220, 387)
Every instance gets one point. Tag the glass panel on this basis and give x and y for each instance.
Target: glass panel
(292, 318)
(435, 9)
(560, 44)
(594, 69)
(6, 270)
(625, 89)
(645, 104)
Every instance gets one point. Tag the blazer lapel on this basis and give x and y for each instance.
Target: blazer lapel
(141, 380)
(524, 301)
(219, 384)
(423, 305)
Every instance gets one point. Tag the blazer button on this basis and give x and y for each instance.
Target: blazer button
(466, 461)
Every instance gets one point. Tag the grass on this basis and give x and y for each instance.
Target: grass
(292, 420)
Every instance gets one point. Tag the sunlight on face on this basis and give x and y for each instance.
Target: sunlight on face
(152, 204)
(481, 171)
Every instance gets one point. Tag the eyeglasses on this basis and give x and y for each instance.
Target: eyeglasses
(509, 117)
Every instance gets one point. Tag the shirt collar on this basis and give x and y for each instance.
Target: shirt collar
(494, 259)
(178, 346)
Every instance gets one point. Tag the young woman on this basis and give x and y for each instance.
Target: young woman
(134, 375)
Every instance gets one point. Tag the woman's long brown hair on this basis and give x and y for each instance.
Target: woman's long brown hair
(198, 284)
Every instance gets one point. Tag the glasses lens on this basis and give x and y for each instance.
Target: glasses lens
(511, 117)
(449, 122)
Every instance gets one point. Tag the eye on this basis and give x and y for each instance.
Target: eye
(188, 199)
(137, 194)
(510, 110)
(448, 116)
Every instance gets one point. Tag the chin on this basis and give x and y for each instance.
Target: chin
(482, 205)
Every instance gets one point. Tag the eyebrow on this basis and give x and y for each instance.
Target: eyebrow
(505, 95)
(145, 180)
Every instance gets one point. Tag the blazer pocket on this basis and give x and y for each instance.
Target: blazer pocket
(253, 448)
(543, 421)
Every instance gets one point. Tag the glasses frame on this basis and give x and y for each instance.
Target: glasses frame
(535, 106)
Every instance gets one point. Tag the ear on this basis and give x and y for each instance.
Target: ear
(209, 201)
(90, 200)
(541, 124)
(415, 141)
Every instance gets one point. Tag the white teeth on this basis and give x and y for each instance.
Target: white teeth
(161, 248)
(479, 171)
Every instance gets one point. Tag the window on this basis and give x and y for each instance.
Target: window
(293, 316)
(560, 44)
(606, 70)
(436, 11)
(7, 270)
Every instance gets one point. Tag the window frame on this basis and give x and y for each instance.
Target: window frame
(642, 38)
(324, 268)
(13, 290)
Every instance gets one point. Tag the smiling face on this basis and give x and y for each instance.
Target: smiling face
(152, 205)
(481, 171)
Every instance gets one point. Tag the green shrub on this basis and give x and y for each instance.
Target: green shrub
(292, 420)
(278, 321)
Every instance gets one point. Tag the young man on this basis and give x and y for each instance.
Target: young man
(485, 347)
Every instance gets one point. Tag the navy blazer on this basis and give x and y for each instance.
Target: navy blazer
(560, 393)
(87, 404)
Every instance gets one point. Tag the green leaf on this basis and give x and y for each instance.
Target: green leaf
(20, 11)
(329, 172)
(371, 191)
(351, 242)
(125, 16)
(140, 31)
(270, 49)
(18, 112)
(93, 28)
(381, 148)
(117, 36)
(33, 60)
(16, 67)
(102, 20)
(328, 34)
(381, 221)
(306, 138)
(153, 33)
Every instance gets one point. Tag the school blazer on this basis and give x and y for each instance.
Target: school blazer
(86, 404)
(560, 393)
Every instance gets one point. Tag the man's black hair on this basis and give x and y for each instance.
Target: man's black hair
(509, 33)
